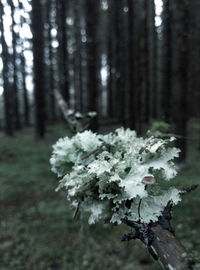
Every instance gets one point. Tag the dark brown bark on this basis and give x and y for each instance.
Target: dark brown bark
(168, 250)
(180, 72)
(166, 61)
(110, 78)
(25, 103)
(78, 58)
(17, 123)
(161, 242)
(153, 59)
(146, 71)
(50, 66)
(25, 94)
(62, 49)
(7, 94)
(91, 13)
(139, 69)
(111, 60)
(132, 100)
(119, 68)
(127, 60)
(38, 68)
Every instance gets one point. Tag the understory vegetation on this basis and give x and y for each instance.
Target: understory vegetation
(37, 231)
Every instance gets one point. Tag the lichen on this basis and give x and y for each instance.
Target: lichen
(104, 172)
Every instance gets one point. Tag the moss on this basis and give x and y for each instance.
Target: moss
(36, 227)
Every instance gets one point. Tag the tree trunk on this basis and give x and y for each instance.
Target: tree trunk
(166, 61)
(62, 49)
(38, 67)
(140, 80)
(50, 7)
(111, 60)
(153, 59)
(110, 77)
(25, 94)
(6, 85)
(17, 123)
(26, 114)
(119, 61)
(146, 84)
(180, 71)
(91, 13)
(77, 58)
(132, 97)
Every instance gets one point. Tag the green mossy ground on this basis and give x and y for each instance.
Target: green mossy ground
(36, 227)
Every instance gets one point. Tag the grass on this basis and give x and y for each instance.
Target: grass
(36, 227)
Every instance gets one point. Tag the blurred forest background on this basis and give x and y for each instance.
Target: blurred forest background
(134, 62)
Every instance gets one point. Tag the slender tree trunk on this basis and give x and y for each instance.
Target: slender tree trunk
(6, 85)
(78, 58)
(180, 72)
(126, 66)
(17, 123)
(119, 60)
(50, 64)
(91, 13)
(38, 62)
(166, 61)
(25, 102)
(25, 94)
(62, 49)
(110, 77)
(152, 33)
(111, 59)
(146, 84)
(131, 70)
(140, 65)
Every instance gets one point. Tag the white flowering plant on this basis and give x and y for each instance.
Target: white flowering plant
(116, 176)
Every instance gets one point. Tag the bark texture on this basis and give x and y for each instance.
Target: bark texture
(38, 68)
(168, 250)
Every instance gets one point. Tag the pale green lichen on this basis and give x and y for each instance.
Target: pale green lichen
(104, 172)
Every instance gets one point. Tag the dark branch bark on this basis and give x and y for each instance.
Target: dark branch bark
(168, 250)
(160, 240)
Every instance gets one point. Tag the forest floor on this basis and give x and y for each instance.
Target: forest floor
(36, 227)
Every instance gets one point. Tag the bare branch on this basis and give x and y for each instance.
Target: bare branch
(76, 211)
(189, 189)
(93, 152)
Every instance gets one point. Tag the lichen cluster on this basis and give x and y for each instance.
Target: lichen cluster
(103, 174)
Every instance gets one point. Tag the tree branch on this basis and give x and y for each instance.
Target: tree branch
(93, 152)
(160, 240)
(74, 122)
(189, 189)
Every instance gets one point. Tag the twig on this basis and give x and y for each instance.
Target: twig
(189, 189)
(139, 209)
(93, 152)
(76, 211)
(151, 181)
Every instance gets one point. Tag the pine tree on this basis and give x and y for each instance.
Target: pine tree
(91, 16)
(38, 62)
(180, 63)
(16, 105)
(8, 104)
